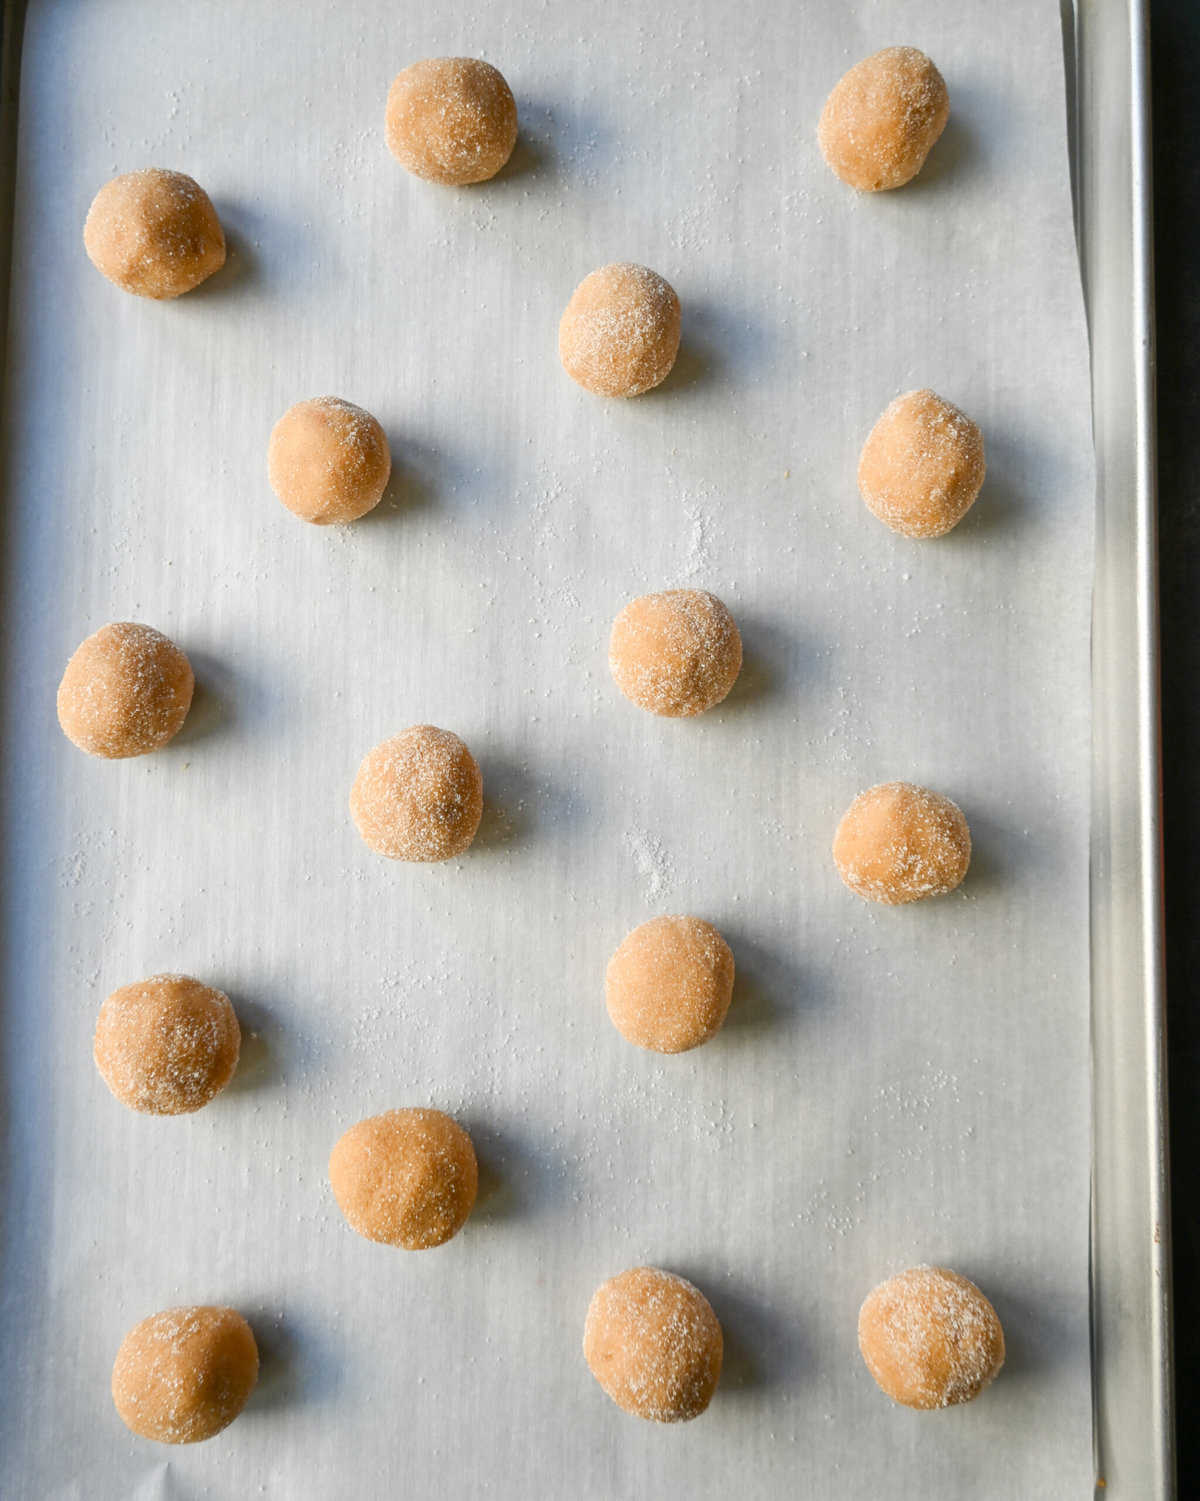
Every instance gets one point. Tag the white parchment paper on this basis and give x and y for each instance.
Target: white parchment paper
(892, 1085)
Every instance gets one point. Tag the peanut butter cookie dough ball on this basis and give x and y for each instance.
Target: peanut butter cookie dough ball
(922, 465)
(654, 1344)
(126, 692)
(620, 333)
(328, 461)
(930, 1338)
(418, 796)
(451, 120)
(406, 1178)
(883, 118)
(677, 653)
(154, 233)
(184, 1374)
(166, 1045)
(669, 984)
(900, 843)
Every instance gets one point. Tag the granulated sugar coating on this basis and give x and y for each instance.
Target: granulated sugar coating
(619, 334)
(154, 233)
(922, 465)
(654, 1344)
(126, 691)
(883, 118)
(930, 1338)
(677, 653)
(451, 120)
(900, 843)
(406, 1178)
(669, 984)
(328, 460)
(418, 796)
(184, 1374)
(166, 1045)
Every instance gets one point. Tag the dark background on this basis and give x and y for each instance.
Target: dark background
(1175, 57)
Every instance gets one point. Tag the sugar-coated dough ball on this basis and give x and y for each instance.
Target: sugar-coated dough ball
(328, 460)
(654, 1344)
(676, 653)
(166, 1045)
(154, 233)
(126, 691)
(883, 118)
(922, 465)
(184, 1374)
(418, 796)
(669, 984)
(451, 120)
(930, 1338)
(620, 333)
(900, 843)
(406, 1178)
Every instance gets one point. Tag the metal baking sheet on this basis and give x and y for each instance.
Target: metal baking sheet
(890, 1087)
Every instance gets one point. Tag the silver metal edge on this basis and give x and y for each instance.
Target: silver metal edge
(1130, 1242)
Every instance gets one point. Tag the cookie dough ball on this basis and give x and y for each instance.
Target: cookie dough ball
(930, 1338)
(654, 1344)
(669, 985)
(154, 233)
(328, 461)
(922, 465)
(883, 119)
(406, 1178)
(126, 691)
(418, 796)
(900, 843)
(167, 1045)
(620, 333)
(451, 120)
(184, 1374)
(676, 653)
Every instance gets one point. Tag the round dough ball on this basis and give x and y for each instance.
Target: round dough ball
(418, 796)
(900, 843)
(883, 118)
(184, 1374)
(126, 692)
(620, 333)
(451, 120)
(676, 653)
(654, 1344)
(669, 985)
(154, 233)
(166, 1045)
(922, 465)
(930, 1338)
(328, 461)
(406, 1178)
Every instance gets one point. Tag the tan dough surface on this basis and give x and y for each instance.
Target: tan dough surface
(184, 1374)
(126, 691)
(930, 1338)
(418, 796)
(669, 984)
(154, 233)
(922, 465)
(451, 120)
(654, 1344)
(619, 334)
(166, 1045)
(883, 118)
(328, 461)
(901, 843)
(406, 1178)
(677, 653)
